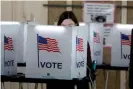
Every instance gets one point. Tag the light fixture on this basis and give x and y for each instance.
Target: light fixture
(56, 29)
(82, 24)
(124, 26)
(8, 23)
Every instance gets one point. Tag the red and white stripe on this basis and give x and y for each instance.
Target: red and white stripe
(51, 46)
(79, 47)
(127, 42)
(9, 46)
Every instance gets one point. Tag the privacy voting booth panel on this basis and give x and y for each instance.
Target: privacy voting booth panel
(21, 48)
(21, 40)
(121, 43)
(9, 31)
(56, 52)
(96, 41)
(131, 63)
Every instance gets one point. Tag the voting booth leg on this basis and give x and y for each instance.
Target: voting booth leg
(89, 85)
(28, 85)
(20, 85)
(94, 84)
(10, 85)
(36, 85)
(3, 84)
(41, 85)
(83, 84)
(106, 81)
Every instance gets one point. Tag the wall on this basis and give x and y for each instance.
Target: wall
(21, 11)
(24, 10)
(130, 13)
(53, 13)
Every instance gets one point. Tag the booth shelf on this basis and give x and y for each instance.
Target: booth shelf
(108, 67)
(37, 80)
(34, 80)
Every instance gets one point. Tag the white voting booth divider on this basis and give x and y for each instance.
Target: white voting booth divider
(12, 46)
(121, 42)
(9, 31)
(56, 52)
(96, 41)
(21, 48)
(49, 51)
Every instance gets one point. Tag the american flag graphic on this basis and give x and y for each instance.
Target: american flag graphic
(8, 43)
(48, 44)
(126, 39)
(96, 37)
(79, 44)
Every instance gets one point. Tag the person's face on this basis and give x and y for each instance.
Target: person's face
(67, 22)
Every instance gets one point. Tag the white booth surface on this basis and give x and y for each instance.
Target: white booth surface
(21, 48)
(9, 31)
(121, 42)
(12, 46)
(49, 51)
(96, 41)
(56, 52)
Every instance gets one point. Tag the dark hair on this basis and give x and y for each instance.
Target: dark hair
(68, 15)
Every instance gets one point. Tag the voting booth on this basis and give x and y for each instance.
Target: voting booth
(56, 52)
(131, 63)
(9, 31)
(95, 38)
(21, 48)
(121, 42)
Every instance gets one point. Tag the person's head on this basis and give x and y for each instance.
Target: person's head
(68, 18)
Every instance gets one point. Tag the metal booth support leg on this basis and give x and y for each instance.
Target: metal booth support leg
(42, 86)
(36, 85)
(106, 81)
(20, 85)
(3, 84)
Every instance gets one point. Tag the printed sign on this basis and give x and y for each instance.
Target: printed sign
(99, 12)
(96, 41)
(56, 52)
(125, 44)
(49, 45)
(8, 47)
(107, 32)
(121, 45)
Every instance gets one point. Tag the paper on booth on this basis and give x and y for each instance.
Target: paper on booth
(107, 33)
(99, 12)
